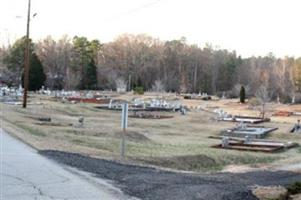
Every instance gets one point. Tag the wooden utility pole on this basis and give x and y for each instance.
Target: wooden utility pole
(26, 59)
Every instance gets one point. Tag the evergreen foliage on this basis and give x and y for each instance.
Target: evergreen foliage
(242, 94)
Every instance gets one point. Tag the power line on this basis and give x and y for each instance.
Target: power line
(129, 12)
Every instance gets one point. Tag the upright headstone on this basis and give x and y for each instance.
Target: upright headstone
(81, 121)
(110, 104)
(225, 142)
(223, 96)
(247, 140)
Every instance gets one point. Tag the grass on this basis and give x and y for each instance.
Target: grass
(30, 130)
(181, 142)
(299, 149)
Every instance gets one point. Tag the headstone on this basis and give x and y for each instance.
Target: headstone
(247, 140)
(225, 142)
(110, 104)
(81, 121)
(223, 96)
(241, 125)
(183, 111)
(42, 89)
(296, 128)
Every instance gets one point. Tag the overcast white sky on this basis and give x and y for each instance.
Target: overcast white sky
(251, 27)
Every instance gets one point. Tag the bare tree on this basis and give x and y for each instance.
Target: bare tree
(179, 65)
(264, 97)
(56, 59)
(120, 85)
(158, 86)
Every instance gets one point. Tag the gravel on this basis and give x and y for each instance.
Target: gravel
(151, 183)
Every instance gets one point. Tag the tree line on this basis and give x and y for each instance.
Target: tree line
(141, 60)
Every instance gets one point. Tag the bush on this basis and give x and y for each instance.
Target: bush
(286, 99)
(294, 188)
(139, 90)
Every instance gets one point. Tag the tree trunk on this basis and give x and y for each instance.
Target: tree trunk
(195, 77)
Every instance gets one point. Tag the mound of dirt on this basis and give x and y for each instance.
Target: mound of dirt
(133, 136)
(270, 192)
(53, 124)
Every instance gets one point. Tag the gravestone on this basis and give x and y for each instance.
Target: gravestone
(81, 121)
(247, 140)
(225, 142)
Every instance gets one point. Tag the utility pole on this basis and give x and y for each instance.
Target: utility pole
(26, 59)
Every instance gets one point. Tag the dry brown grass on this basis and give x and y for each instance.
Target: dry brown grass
(164, 142)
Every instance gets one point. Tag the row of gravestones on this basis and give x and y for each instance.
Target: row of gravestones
(12, 92)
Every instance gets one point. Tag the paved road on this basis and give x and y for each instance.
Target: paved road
(152, 184)
(24, 174)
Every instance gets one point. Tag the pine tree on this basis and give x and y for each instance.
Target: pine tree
(242, 94)
(91, 78)
(37, 76)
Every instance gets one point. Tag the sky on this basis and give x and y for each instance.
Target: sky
(250, 27)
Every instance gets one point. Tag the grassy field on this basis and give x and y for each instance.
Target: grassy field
(180, 142)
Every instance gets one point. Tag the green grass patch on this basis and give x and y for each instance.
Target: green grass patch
(77, 141)
(32, 131)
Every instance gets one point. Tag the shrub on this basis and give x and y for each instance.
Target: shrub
(139, 90)
(294, 188)
(286, 99)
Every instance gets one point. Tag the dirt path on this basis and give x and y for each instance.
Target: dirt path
(151, 183)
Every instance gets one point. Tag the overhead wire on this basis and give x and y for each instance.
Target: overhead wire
(134, 10)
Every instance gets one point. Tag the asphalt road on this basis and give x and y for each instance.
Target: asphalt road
(26, 175)
(153, 184)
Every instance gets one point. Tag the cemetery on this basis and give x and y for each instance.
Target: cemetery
(150, 100)
(88, 122)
